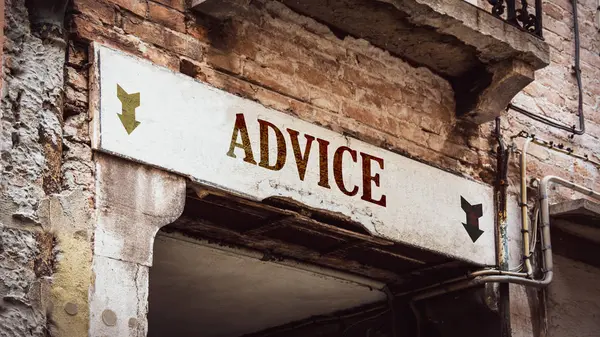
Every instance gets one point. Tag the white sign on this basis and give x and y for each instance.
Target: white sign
(150, 114)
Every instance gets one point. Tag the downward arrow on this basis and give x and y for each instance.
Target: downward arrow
(474, 212)
(129, 102)
(474, 232)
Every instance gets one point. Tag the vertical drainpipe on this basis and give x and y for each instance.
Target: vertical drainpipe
(502, 231)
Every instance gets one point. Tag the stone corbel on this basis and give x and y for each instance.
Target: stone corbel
(507, 80)
(133, 202)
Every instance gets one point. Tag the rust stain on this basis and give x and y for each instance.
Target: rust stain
(45, 261)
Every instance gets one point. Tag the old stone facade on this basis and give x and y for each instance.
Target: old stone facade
(282, 59)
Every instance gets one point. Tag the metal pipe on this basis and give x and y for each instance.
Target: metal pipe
(560, 148)
(469, 276)
(577, 70)
(548, 265)
(502, 157)
(524, 209)
(539, 30)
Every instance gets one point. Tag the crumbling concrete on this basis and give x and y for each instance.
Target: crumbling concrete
(45, 225)
(22, 291)
(31, 134)
(30, 155)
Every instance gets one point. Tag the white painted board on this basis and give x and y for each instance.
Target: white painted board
(186, 126)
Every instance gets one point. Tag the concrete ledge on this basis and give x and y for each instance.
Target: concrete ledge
(479, 54)
(580, 211)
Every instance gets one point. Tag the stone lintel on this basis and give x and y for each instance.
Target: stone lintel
(583, 207)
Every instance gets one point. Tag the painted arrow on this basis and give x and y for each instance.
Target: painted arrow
(474, 212)
(129, 102)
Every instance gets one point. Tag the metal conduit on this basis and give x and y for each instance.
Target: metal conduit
(577, 71)
(482, 277)
(523, 205)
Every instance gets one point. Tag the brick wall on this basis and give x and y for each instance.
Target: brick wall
(554, 92)
(282, 60)
(293, 64)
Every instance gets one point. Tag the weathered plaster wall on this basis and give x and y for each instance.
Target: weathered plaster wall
(45, 208)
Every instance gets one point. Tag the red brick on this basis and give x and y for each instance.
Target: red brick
(273, 100)
(274, 42)
(456, 151)
(90, 31)
(554, 11)
(138, 7)
(197, 31)
(312, 76)
(96, 10)
(379, 69)
(220, 60)
(415, 135)
(366, 97)
(76, 79)
(76, 97)
(275, 80)
(328, 49)
(273, 60)
(171, 40)
(321, 79)
(167, 17)
(364, 80)
(229, 83)
(325, 100)
(361, 113)
(175, 4)
(433, 125)
(161, 58)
